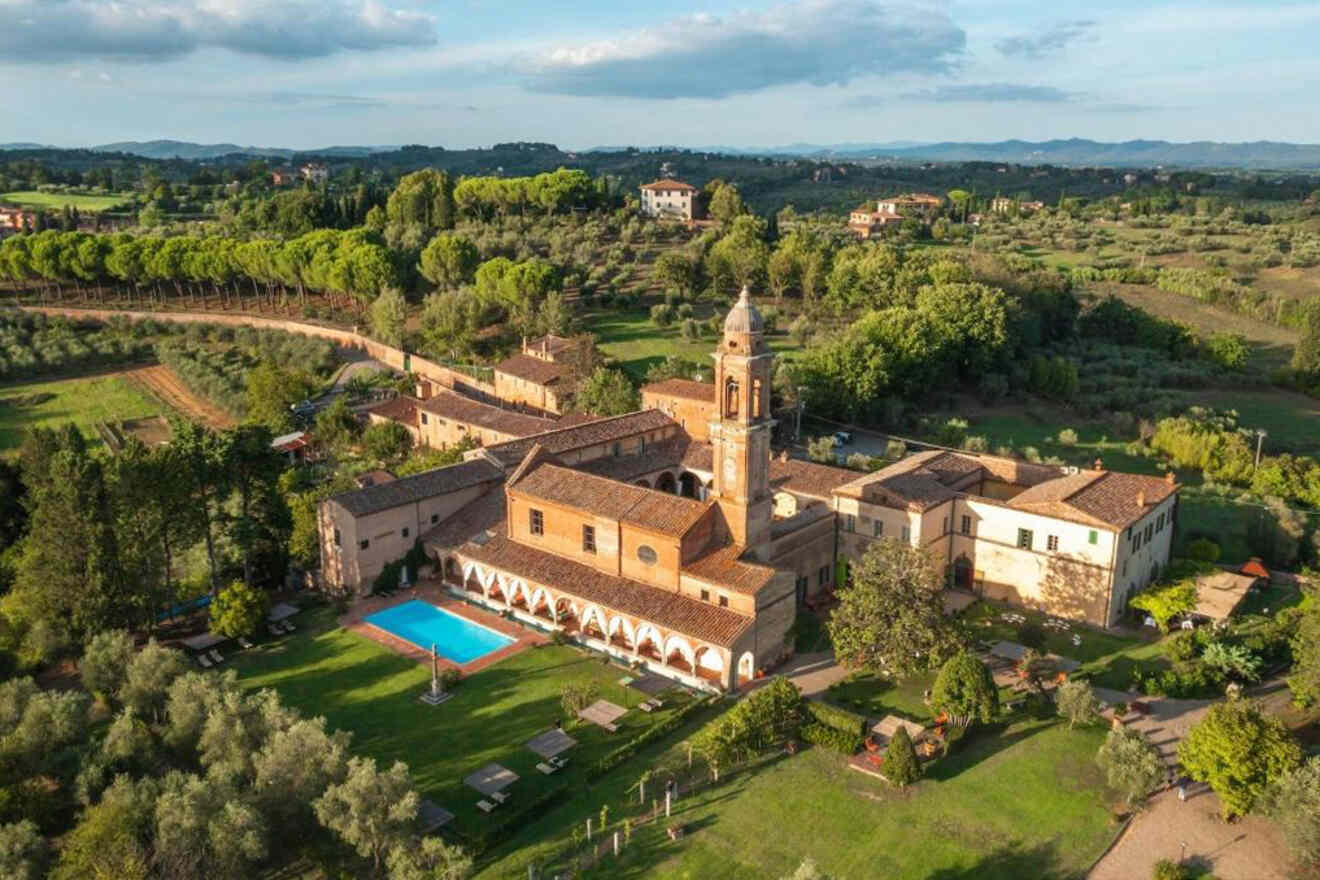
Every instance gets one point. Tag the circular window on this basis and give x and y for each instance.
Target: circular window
(646, 554)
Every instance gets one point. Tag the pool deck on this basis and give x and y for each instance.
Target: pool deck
(434, 593)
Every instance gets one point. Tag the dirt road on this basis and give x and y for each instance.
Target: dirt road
(161, 382)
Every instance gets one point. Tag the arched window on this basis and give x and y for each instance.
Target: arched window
(756, 398)
(731, 397)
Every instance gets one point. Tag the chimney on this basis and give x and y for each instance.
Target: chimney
(1168, 477)
(1099, 464)
(783, 454)
(1141, 499)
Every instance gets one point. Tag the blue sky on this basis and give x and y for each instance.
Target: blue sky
(306, 73)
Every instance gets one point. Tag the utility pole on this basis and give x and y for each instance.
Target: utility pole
(1260, 440)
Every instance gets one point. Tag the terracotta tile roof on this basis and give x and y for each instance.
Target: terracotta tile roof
(561, 440)
(725, 567)
(623, 502)
(1255, 568)
(533, 369)
(374, 478)
(667, 609)
(550, 344)
(699, 457)
(658, 456)
(1104, 498)
(419, 487)
(807, 478)
(567, 420)
(402, 409)
(450, 405)
(684, 388)
(486, 514)
(669, 183)
(909, 482)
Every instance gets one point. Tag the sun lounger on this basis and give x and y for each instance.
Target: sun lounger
(499, 796)
(645, 707)
(558, 762)
(244, 642)
(273, 631)
(203, 662)
(546, 768)
(289, 627)
(612, 728)
(657, 703)
(216, 656)
(485, 806)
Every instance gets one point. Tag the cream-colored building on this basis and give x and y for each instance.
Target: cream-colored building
(669, 198)
(1073, 542)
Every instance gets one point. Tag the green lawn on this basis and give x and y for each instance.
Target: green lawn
(362, 687)
(630, 338)
(57, 200)
(81, 401)
(1026, 801)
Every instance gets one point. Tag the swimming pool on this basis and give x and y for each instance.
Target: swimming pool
(455, 638)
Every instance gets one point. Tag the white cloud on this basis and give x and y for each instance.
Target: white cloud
(60, 30)
(992, 92)
(820, 42)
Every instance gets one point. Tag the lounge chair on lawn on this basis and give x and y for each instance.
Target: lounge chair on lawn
(546, 768)
(657, 703)
(270, 628)
(558, 763)
(289, 627)
(245, 643)
(216, 657)
(612, 728)
(203, 662)
(485, 806)
(645, 707)
(499, 796)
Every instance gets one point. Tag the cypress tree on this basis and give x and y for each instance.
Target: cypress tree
(901, 765)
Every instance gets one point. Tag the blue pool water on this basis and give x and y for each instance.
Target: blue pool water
(455, 638)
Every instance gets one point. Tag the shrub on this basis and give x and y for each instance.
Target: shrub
(651, 734)
(662, 315)
(1203, 550)
(1067, 437)
(901, 765)
(833, 716)
(832, 738)
(1166, 869)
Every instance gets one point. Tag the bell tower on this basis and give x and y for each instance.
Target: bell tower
(740, 433)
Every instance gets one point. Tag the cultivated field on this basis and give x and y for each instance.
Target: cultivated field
(84, 402)
(57, 200)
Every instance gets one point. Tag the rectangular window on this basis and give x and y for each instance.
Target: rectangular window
(1124, 568)
(618, 449)
(338, 540)
(966, 525)
(363, 544)
(588, 539)
(944, 526)
(1024, 538)
(404, 532)
(435, 518)
(536, 522)
(705, 595)
(1093, 537)
(879, 529)
(907, 534)
(822, 575)
(1150, 530)
(424, 418)
(849, 522)
(1052, 543)
(724, 601)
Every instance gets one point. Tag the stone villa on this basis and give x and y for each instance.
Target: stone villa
(674, 537)
(669, 198)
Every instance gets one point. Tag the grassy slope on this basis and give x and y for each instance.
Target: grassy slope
(81, 401)
(362, 687)
(56, 200)
(1025, 802)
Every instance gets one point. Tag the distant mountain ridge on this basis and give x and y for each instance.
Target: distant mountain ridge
(1070, 152)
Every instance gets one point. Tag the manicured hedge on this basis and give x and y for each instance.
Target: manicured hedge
(833, 716)
(494, 832)
(841, 741)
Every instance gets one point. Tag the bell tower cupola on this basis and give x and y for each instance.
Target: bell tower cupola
(740, 433)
